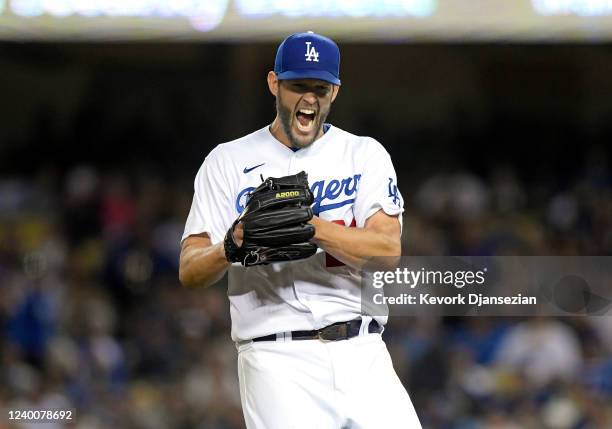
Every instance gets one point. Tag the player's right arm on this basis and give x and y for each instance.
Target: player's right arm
(202, 263)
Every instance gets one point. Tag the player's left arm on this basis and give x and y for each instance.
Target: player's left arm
(377, 209)
(380, 236)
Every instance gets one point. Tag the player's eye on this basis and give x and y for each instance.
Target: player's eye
(322, 91)
(319, 90)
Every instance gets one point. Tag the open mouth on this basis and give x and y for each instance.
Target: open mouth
(305, 119)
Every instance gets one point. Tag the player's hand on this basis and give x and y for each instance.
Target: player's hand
(316, 222)
(239, 234)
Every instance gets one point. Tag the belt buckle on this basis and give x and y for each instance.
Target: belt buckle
(334, 332)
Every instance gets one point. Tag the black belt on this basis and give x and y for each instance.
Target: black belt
(334, 332)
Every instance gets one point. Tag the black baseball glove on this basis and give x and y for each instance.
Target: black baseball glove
(275, 222)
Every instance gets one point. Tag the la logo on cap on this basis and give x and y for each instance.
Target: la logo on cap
(311, 53)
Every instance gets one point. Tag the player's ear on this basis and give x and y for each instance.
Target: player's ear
(273, 83)
(335, 91)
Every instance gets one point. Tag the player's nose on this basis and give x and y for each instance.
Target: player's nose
(310, 98)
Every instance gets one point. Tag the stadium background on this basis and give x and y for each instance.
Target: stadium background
(500, 148)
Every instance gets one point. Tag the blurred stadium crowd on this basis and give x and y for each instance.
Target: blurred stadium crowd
(92, 316)
(496, 149)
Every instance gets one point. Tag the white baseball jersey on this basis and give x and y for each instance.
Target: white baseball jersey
(351, 178)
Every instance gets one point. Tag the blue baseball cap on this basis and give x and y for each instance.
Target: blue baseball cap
(308, 56)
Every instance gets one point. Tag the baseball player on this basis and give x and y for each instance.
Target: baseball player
(293, 246)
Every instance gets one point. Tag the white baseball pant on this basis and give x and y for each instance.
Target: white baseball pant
(312, 384)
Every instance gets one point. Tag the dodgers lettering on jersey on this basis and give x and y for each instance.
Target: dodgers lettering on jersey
(351, 178)
(330, 192)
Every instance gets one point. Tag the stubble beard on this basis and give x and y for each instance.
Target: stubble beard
(286, 117)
